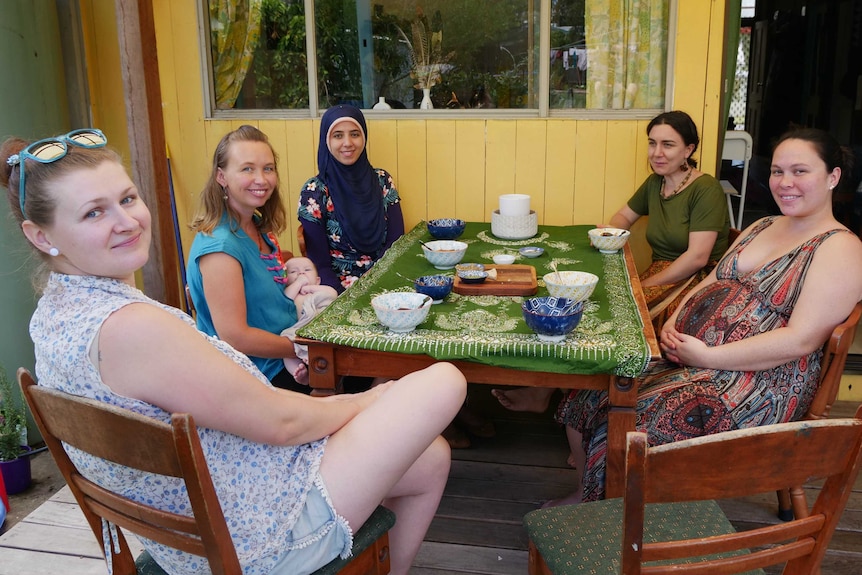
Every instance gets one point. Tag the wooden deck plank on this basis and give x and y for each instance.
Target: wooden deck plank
(478, 527)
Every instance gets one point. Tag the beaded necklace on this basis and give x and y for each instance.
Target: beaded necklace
(679, 187)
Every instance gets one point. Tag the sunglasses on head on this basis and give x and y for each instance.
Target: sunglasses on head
(52, 149)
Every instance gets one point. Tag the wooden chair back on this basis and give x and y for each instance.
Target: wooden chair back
(793, 502)
(139, 442)
(300, 240)
(736, 464)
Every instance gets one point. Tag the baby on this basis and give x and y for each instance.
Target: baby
(303, 287)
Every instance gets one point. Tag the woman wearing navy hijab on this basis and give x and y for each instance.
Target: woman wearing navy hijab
(350, 211)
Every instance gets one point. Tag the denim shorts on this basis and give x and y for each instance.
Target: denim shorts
(319, 536)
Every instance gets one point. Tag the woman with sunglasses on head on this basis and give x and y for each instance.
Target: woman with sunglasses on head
(296, 475)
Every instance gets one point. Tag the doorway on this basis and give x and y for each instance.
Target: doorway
(804, 68)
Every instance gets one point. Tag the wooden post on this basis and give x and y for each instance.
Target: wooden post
(140, 71)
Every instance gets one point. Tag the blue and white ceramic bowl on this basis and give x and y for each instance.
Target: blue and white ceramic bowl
(531, 251)
(446, 228)
(444, 254)
(435, 287)
(573, 285)
(552, 317)
(401, 312)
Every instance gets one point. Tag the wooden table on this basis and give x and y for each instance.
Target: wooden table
(329, 360)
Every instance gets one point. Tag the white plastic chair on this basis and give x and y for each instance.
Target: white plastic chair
(738, 148)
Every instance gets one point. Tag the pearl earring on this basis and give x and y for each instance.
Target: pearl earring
(224, 191)
(53, 252)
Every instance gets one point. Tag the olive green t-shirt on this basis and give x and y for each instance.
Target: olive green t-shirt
(701, 207)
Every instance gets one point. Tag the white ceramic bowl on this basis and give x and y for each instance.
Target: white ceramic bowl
(444, 254)
(608, 240)
(401, 312)
(576, 286)
(504, 259)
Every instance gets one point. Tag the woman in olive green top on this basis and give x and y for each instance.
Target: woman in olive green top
(687, 228)
(688, 222)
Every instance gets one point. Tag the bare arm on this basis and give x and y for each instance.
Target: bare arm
(822, 304)
(690, 262)
(225, 295)
(624, 218)
(194, 377)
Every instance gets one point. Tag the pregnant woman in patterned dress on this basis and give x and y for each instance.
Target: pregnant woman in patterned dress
(744, 348)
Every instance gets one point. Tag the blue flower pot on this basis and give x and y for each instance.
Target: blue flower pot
(16, 473)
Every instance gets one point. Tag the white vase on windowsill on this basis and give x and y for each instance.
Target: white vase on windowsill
(426, 100)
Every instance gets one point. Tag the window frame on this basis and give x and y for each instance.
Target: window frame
(544, 111)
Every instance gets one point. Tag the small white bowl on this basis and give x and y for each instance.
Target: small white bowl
(504, 259)
(573, 285)
(401, 312)
(608, 240)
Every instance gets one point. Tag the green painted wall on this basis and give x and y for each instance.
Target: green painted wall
(32, 105)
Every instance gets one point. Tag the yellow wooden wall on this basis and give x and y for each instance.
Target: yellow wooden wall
(576, 171)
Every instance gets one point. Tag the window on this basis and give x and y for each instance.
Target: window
(441, 54)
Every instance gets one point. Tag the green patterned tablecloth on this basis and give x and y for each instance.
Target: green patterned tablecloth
(491, 329)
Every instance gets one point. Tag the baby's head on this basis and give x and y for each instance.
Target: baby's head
(299, 266)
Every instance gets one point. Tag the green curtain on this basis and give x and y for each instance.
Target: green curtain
(626, 53)
(235, 30)
(731, 49)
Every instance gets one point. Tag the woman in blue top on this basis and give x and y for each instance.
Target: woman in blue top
(350, 212)
(235, 270)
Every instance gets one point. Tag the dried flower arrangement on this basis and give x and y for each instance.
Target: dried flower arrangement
(427, 60)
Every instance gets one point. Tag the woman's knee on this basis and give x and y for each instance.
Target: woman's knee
(448, 379)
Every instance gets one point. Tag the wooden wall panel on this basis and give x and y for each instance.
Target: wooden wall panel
(559, 176)
(300, 157)
(441, 169)
(470, 160)
(530, 160)
(591, 142)
(412, 169)
(500, 148)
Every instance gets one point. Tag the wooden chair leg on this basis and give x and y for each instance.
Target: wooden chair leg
(536, 563)
(785, 511)
(792, 503)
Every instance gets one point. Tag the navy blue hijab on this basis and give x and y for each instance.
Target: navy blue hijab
(357, 196)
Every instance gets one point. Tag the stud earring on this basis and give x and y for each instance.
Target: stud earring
(53, 252)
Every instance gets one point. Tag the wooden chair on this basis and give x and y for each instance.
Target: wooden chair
(139, 442)
(300, 240)
(792, 501)
(667, 521)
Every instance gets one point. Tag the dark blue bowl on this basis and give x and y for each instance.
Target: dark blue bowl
(446, 228)
(552, 317)
(436, 287)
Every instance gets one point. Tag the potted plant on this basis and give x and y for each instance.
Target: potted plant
(14, 466)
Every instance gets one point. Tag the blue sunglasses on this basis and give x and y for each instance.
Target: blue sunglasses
(52, 149)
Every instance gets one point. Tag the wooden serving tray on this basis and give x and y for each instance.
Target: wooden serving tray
(512, 279)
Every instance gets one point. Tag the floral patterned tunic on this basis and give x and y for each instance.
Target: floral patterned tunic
(677, 403)
(315, 205)
(262, 488)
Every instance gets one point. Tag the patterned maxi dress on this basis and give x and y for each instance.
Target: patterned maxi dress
(676, 403)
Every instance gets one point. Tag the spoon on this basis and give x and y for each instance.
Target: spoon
(554, 267)
(429, 248)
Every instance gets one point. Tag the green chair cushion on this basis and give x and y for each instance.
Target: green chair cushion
(587, 538)
(380, 522)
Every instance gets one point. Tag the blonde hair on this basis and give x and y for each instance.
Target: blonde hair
(212, 207)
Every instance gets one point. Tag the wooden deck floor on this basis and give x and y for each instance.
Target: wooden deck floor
(478, 527)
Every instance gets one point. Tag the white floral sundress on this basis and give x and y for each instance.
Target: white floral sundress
(262, 488)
